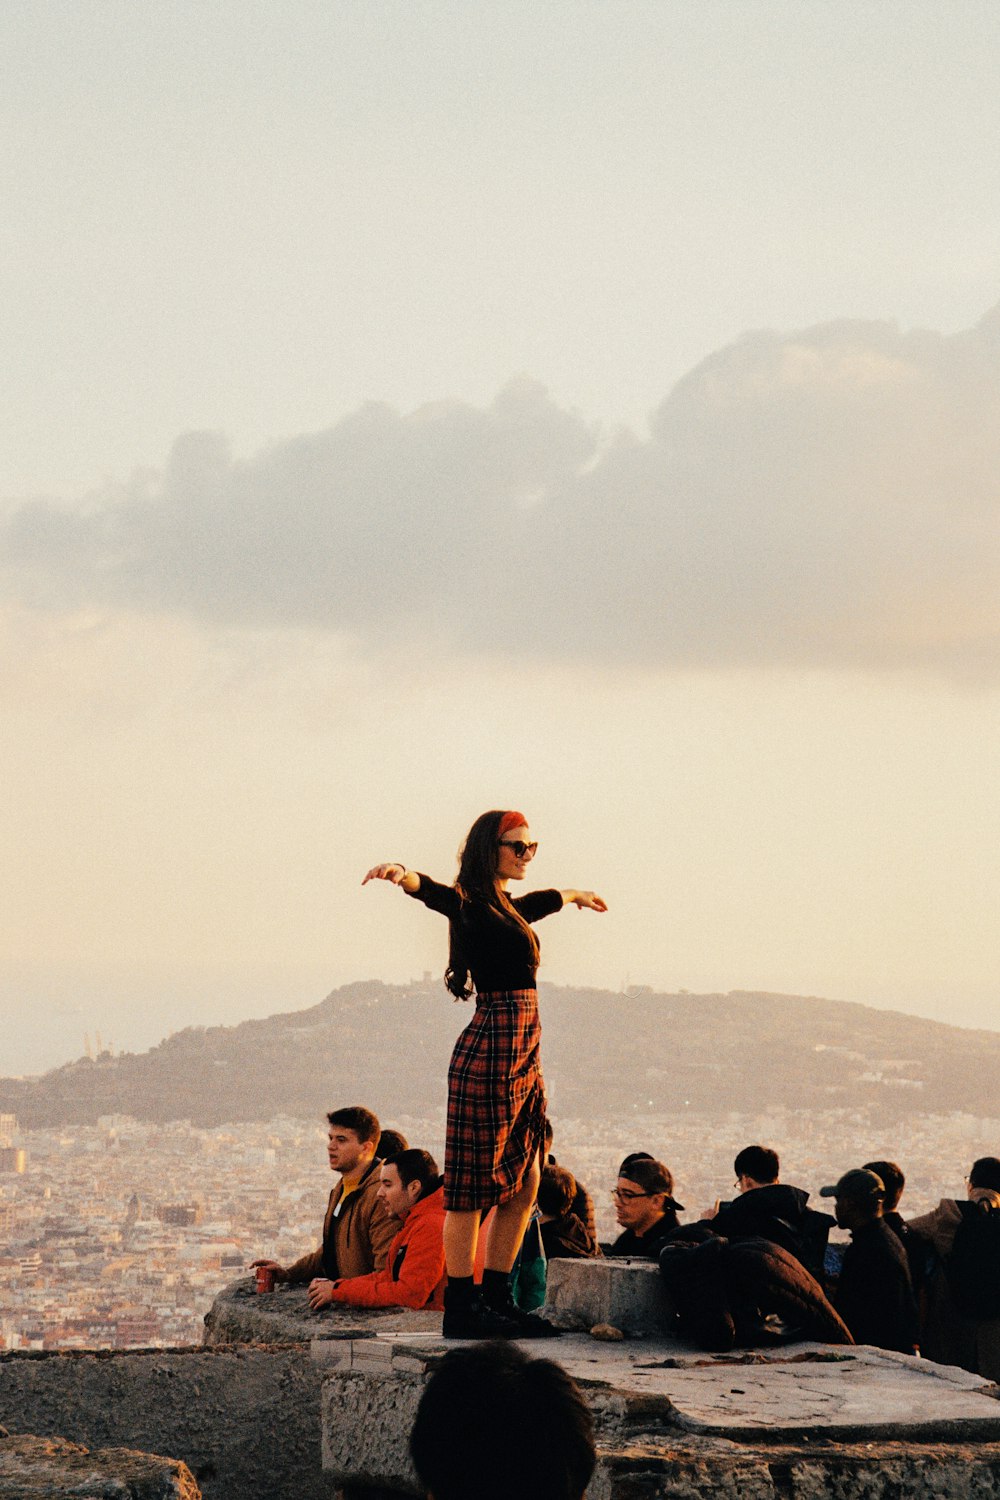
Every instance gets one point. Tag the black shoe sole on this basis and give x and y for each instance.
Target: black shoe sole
(530, 1326)
(483, 1323)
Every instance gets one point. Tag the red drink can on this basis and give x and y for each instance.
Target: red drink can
(265, 1279)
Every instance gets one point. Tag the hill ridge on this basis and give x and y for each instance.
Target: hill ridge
(388, 1044)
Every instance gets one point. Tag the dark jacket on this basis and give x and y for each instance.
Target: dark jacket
(645, 1246)
(723, 1292)
(566, 1238)
(778, 1212)
(919, 1255)
(356, 1240)
(773, 1212)
(874, 1295)
(947, 1336)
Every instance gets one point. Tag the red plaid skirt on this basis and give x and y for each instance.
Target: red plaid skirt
(496, 1101)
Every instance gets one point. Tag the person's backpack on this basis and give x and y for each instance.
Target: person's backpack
(973, 1263)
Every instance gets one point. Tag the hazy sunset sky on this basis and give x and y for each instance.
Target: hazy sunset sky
(412, 408)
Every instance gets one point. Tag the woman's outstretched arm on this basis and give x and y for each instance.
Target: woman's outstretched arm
(397, 873)
(588, 899)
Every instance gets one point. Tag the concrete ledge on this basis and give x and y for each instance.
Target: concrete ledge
(35, 1468)
(772, 1423)
(241, 1315)
(625, 1294)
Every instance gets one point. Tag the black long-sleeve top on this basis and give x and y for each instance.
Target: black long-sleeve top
(499, 952)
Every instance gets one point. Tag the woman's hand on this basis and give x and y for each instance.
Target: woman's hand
(588, 899)
(395, 872)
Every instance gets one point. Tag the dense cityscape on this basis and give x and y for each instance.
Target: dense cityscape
(120, 1234)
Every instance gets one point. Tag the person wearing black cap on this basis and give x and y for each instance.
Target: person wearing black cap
(874, 1295)
(645, 1208)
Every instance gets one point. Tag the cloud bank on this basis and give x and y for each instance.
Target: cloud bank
(825, 498)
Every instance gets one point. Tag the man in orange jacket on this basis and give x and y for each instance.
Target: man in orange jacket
(410, 1188)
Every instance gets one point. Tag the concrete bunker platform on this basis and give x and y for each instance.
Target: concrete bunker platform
(797, 1422)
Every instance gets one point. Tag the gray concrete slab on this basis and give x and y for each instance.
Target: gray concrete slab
(664, 1412)
(847, 1394)
(624, 1294)
(651, 1392)
(857, 1394)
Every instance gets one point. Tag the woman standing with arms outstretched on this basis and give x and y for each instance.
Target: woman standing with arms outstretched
(496, 1097)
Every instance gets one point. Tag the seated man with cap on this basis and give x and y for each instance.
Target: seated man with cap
(874, 1295)
(644, 1207)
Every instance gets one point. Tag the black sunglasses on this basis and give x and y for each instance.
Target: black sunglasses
(519, 847)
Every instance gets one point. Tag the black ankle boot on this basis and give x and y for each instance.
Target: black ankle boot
(500, 1299)
(468, 1317)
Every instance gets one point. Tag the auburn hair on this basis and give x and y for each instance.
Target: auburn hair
(478, 864)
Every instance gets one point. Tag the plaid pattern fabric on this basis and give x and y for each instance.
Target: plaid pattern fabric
(496, 1101)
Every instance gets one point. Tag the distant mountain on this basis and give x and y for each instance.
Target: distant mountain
(604, 1054)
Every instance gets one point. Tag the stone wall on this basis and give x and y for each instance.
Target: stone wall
(242, 1412)
(245, 1420)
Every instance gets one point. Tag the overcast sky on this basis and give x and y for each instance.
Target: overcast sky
(416, 408)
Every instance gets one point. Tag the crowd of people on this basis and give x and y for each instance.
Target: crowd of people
(475, 1239)
(753, 1270)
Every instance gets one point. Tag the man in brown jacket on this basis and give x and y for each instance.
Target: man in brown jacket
(358, 1228)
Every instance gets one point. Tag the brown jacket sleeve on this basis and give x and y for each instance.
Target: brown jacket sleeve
(305, 1268)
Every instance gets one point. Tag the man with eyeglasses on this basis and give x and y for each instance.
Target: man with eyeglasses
(644, 1207)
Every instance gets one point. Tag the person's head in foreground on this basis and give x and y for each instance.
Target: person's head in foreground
(493, 1424)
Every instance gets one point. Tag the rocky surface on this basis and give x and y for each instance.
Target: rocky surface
(651, 1467)
(245, 1421)
(242, 1315)
(803, 1421)
(38, 1468)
